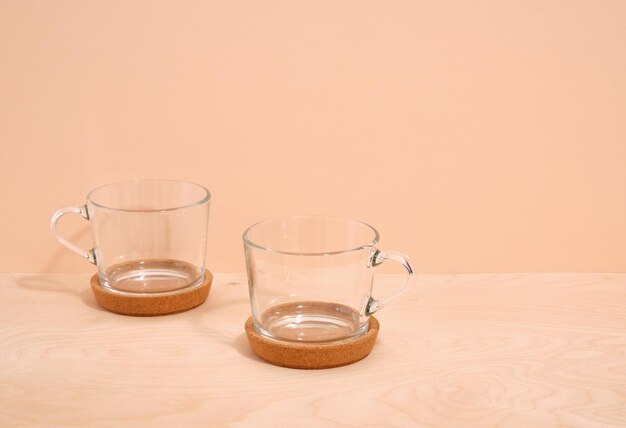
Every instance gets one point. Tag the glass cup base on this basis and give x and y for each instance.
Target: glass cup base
(311, 322)
(151, 276)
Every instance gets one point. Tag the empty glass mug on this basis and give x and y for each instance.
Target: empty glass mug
(311, 277)
(149, 235)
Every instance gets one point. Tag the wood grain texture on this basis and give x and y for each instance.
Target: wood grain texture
(513, 350)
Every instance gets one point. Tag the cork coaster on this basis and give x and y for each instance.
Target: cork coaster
(312, 355)
(146, 305)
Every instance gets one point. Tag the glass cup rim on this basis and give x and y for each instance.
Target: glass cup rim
(371, 243)
(204, 199)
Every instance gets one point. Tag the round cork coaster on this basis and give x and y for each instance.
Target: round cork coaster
(312, 355)
(147, 305)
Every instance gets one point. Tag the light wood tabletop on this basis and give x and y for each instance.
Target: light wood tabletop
(511, 350)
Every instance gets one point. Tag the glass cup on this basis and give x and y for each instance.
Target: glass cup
(311, 277)
(149, 235)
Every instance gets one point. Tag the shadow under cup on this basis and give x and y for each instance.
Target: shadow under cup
(149, 235)
(310, 277)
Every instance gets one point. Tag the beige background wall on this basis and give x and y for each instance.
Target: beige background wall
(476, 136)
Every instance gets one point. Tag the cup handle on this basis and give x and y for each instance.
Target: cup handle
(379, 257)
(90, 255)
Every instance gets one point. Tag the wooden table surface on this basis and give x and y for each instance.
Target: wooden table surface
(519, 350)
